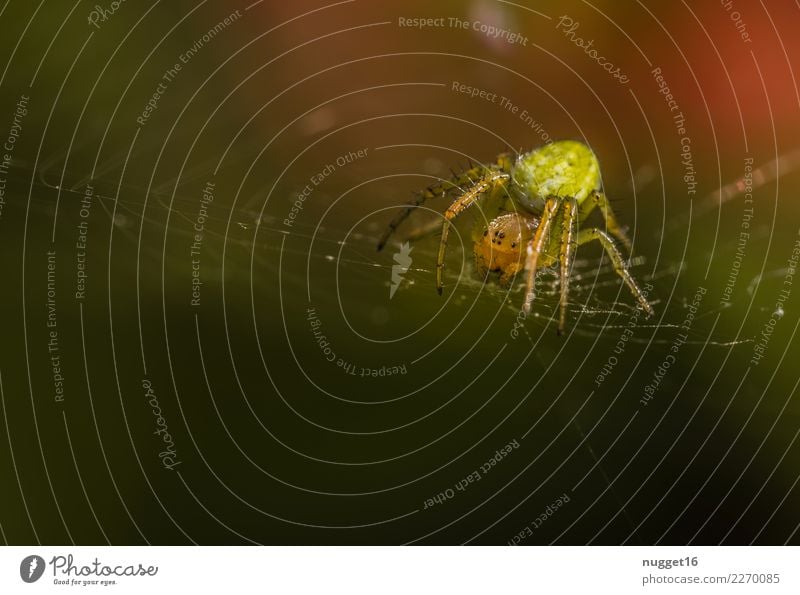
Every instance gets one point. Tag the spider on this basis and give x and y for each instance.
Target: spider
(538, 203)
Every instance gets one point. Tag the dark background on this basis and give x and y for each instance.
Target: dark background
(276, 444)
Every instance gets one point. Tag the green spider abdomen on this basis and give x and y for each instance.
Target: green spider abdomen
(563, 169)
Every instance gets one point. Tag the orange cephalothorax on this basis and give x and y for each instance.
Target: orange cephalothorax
(502, 247)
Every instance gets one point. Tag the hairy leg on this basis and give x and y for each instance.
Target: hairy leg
(429, 193)
(490, 181)
(588, 235)
(600, 201)
(535, 249)
(428, 228)
(490, 206)
(460, 181)
(568, 241)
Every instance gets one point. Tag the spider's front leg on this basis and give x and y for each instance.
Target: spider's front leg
(588, 235)
(535, 249)
(600, 201)
(464, 180)
(493, 180)
(567, 255)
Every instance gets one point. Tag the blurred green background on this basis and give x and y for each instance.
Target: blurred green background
(272, 443)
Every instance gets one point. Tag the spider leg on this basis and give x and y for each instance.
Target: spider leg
(568, 241)
(491, 180)
(535, 248)
(463, 180)
(423, 230)
(491, 207)
(395, 223)
(599, 200)
(587, 235)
